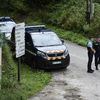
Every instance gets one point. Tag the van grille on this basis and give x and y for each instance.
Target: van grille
(55, 55)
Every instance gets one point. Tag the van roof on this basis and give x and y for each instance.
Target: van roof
(36, 28)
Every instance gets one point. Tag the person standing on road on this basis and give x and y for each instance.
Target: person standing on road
(91, 52)
(99, 49)
(97, 54)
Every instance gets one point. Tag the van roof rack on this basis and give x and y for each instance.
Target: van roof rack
(4, 17)
(36, 28)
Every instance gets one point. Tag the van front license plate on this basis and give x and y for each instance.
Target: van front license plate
(56, 62)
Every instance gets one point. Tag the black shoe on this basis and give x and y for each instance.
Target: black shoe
(97, 68)
(90, 71)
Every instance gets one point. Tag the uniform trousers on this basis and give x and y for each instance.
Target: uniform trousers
(90, 59)
(97, 58)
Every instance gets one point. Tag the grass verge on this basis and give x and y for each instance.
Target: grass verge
(32, 81)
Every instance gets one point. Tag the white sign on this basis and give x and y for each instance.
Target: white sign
(20, 39)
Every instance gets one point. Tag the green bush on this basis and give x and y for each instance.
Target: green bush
(71, 15)
(32, 81)
(67, 14)
(9, 69)
(11, 94)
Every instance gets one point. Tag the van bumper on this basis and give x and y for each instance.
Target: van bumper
(53, 64)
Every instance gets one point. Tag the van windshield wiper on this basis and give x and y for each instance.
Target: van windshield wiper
(39, 46)
(54, 45)
(49, 45)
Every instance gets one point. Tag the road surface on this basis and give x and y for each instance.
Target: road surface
(74, 83)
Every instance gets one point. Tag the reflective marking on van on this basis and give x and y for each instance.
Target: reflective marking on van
(55, 51)
(56, 58)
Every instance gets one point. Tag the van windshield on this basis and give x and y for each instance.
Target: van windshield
(45, 39)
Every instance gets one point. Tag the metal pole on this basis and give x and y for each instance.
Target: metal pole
(0, 66)
(19, 62)
(1, 43)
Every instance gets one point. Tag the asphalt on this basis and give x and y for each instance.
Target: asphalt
(73, 83)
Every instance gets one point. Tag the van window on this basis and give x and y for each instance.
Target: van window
(46, 39)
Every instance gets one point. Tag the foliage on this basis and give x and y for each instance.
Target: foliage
(67, 14)
(12, 4)
(71, 14)
(97, 1)
(95, 25)
(71, 36)
(9, 69)
(32, 81)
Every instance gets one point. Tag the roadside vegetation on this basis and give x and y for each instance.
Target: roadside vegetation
(71, 36)
(66, 17)
(67, 14)
(32, 81)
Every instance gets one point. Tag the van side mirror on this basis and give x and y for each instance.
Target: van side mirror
(62, 41)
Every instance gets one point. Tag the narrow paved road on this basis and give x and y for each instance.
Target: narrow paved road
(74, 83)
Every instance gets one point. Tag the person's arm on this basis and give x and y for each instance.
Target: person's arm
(93, 50)
(90, 44)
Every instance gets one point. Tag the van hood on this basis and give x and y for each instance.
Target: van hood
(52, 49)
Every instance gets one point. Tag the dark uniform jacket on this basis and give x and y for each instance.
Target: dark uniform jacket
(96, 46)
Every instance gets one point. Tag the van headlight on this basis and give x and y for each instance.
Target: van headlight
(66, 52)
(42, 54)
